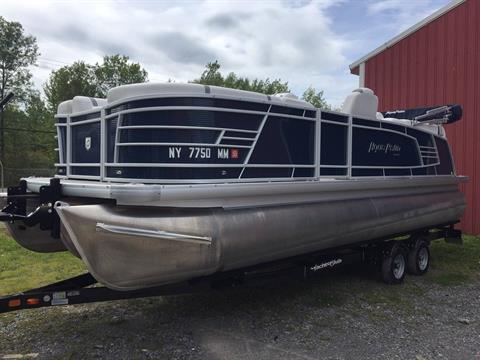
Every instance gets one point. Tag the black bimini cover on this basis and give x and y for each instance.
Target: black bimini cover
(450, 113)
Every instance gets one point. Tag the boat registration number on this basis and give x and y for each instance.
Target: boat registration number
(198, 152)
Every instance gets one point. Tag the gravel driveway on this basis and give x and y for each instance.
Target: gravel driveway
(347, 314)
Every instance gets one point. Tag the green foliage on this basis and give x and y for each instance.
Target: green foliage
(212, 76)
(21, 269)
(27, 128)
(17, 52)
(454, 264)
(116, 70)
(29, 140)
(69, 81)
(84, 79)
(315, 98)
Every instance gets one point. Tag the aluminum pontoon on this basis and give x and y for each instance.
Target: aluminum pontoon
(164, 183)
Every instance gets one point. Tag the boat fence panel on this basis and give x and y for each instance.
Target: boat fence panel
(206, 139)
(61, 125)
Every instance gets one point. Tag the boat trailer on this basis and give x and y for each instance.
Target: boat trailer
(82, 289)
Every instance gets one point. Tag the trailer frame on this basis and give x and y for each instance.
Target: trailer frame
(79, 290)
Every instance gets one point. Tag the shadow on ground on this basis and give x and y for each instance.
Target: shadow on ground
(343, 314)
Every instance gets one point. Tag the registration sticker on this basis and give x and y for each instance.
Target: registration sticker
(234, 153)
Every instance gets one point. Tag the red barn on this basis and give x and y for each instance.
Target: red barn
(436, 62)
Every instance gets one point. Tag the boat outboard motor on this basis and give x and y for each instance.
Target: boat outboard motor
(446, 114)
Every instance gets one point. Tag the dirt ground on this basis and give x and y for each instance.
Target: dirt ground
(346, 314)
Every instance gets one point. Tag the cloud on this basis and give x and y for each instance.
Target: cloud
(227, 20)
(402, 14)
(182, 48)
(295, 40)
(386, 5)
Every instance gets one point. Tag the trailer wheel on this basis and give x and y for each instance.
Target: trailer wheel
(418, 258)
(394, 265)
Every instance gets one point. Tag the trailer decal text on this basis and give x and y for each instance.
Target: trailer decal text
(324, 265)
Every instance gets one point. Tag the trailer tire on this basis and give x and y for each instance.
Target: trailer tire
(418, 259)
(394, 265)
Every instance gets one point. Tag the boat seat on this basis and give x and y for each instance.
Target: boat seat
(361, 102)
(65, 107)
(80, 104)
(84, 103)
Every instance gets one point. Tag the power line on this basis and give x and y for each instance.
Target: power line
(34, 146)
(29, 130)
(53, 64)
(53, 60)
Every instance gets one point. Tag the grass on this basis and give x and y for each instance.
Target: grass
(21, 269)
(354, 291)
(453, 264)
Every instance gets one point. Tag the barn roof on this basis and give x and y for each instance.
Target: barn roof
(406, 33)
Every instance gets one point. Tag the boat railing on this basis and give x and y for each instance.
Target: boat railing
(336, 154)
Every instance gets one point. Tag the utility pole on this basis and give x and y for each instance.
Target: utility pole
(2, 142)
(3, 102)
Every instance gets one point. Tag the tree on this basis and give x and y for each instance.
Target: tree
(42, 125)
(84, 79)
(212, 76)
(69, 81)
(116, 70)
(17, 52)
(315, 98)
(30, 142)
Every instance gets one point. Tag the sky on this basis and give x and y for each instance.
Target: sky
(307, 43)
